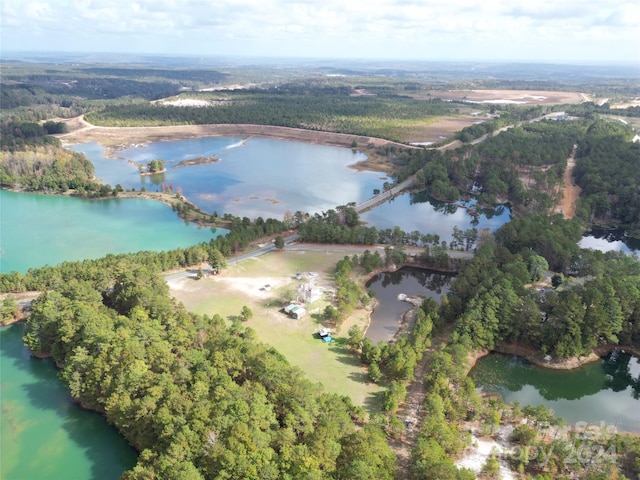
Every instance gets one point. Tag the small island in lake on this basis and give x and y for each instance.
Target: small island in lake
(153, 167)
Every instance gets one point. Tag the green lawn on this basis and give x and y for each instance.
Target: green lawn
(330, 364)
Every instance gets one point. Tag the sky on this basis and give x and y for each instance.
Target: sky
(569, 31)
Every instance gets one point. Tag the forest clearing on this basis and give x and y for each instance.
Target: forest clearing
(245, 283)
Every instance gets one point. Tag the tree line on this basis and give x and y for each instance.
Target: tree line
(524, 166)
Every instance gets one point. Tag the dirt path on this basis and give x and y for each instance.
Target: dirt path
(411, 411)
(570, 191)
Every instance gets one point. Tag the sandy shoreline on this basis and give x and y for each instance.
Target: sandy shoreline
(115, 139)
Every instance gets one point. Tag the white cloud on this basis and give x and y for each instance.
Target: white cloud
(411, 28)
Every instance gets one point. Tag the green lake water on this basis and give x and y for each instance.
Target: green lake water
(36, 230)
(43, 434)
(605, 391)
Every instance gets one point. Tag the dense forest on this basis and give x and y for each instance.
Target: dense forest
(608, 172)
(31, 159)
(51, 170)
(198, 399)
(593, 299)
(203, 399)
(524, 166)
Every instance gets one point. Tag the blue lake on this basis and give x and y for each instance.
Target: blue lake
(255, 178)
(264, 177)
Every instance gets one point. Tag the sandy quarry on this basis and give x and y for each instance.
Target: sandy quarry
(514, 97)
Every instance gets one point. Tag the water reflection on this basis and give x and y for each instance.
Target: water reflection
(387, 316)
(622, 371)
(610, 240)
(418, 211)
(607, 390)
(261, 178)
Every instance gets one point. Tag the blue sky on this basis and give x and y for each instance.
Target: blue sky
(576, 31)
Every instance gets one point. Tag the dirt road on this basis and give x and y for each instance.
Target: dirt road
(570, 191)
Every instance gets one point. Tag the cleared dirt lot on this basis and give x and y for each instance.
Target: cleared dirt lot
(518, 97)
(246, 284)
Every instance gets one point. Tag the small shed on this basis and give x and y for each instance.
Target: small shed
(309, 292)
(290, 307)
(297, 313)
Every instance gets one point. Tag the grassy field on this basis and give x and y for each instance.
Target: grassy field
(332, 365)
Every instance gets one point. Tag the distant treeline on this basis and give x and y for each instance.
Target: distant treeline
(331, 109)
(23, 89)
(590, 108)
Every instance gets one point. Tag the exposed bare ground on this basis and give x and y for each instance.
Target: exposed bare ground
(263, 284)
(570, 191)
(122, 137)
(528, 97)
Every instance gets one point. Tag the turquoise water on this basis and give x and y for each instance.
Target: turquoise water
(605, 391)
(43, 434)
(36, 230)
(256, 178)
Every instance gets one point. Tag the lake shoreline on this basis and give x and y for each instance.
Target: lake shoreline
(536, 358)
(192, 214)
(115, 139)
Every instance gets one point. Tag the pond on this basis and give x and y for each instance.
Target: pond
(418, 211)
(605, 391)
(387, 316)
(610, 240)
(255, 177)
